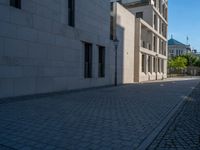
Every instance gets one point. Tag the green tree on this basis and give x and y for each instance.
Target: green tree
(192, 60)
(197, 64)
(178, 63)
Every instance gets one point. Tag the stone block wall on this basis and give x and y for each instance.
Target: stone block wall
(40, 53)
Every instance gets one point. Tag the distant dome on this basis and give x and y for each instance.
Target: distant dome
(174, 42)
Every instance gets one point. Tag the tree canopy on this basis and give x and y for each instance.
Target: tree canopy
(178, 63)
(183, 61)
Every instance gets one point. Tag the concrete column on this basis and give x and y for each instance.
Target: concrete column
(165, 66)
(138, 55)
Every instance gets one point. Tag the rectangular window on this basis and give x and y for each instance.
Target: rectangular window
(139, 15)
(88, 60)
(158, 65)
(162, 48)
(176, 52)
(143, 63)
(111, 28)
(71, 13)
(101, 71)
(112, 21)
(143, 44)
(155, 22)
(162, 66)
(154, 43)
(155, 3)
(149, 64)
(154, 64)
(15, 3)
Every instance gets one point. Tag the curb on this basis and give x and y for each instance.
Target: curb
(172, 112)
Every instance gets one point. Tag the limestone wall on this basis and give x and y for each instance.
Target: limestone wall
(40, 53)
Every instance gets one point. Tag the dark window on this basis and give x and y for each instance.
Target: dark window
(162, 47)
(111, 6)
(149, 64)
(111, 27)
(71, 13)
(149, 46)
(159, 65)
(101, 61)
(155, 22)
(162, 66)
(15, 3)
(154, 64)
(143, 63)
(88, 60)
(143, 44)
(111, 21)
(139, 15)
(154, 43)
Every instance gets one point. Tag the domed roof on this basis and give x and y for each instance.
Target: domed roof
(174, 42)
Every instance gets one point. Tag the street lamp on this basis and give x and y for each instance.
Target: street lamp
(116, 44)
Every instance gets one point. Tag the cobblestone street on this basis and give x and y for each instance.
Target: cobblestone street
(113, 118)
(183, 130)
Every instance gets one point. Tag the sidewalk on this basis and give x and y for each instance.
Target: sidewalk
(175, 79)
(118, 118)
(183, 130)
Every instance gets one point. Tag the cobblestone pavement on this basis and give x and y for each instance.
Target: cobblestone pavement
(183, 130)
(114, 118)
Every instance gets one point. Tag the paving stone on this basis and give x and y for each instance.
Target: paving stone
(183, 130)
(107, 118)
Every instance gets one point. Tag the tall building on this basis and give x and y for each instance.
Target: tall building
(150, 38)
(72, 44)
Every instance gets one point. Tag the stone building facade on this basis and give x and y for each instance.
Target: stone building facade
(54, 45)
(176, 48)
(151, 24)
(63, 45)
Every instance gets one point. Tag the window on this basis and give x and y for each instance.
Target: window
(160, 6)
(163, 10)
(112, 21)
(149, 46)
(154, 64)
(15, 3)
(88, 60)
(154, 3)
(71, 13)
(143, 63)
(155, 22)
(154, 43)
(162, 66)
(111, 6)
(158, 65)
(162, 47)
(177, 52)
(139, 15)
(111, 28)
(101, 62)
(149, 64)
(143, 44)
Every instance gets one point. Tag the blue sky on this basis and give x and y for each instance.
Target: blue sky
(184, 20)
